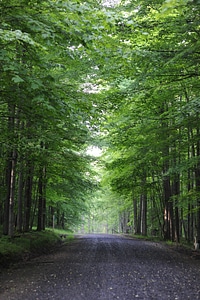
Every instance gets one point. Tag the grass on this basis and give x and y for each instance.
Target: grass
(30, 244)
(147, 238)
(183, 246)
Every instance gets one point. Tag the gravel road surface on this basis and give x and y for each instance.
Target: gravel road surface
(104, 267)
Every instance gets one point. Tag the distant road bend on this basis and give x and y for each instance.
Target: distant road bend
(104, 267)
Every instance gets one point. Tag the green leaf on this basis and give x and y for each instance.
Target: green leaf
(17, 79)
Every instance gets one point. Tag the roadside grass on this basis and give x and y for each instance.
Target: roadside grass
(183, 246)
(147, 238)
(31, 244)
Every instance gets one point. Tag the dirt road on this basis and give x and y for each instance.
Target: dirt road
(104, 267)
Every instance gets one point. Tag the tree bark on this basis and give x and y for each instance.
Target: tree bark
(8, 225)
(143, 214)
(135, 220)
(12, 195)
(19, 200)
(28, 196)
(167, 212)
(197, 182)
(41, 199)
(40, 204)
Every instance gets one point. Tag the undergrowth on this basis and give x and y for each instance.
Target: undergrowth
(26, 245)
(182, 244)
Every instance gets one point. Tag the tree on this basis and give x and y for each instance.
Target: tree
(43, 107)
(147, 105)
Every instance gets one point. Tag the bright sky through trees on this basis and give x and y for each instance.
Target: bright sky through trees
(94, 151)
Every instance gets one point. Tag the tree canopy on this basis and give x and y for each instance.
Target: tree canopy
(122, 75)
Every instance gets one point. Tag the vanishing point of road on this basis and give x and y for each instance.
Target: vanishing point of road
(104, 267)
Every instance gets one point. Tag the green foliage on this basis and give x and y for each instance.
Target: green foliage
(20, 247)
(152, 121)
(70, 71)
(46, 112)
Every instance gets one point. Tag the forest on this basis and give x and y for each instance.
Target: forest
(121, 77)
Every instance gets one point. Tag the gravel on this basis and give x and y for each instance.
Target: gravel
(104, 267)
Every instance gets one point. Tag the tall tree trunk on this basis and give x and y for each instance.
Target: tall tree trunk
(50, 216)
(190, 216)
(6, 203)
(143, 214)
(41, 199)
(189, 221)
(144, 206)
(8, 225)
(63, 221)
(44, 209)
(168, 205)
(12, 194)
(28, 196)
(167, 212)
(20, 180)
(35, 196)
(176, 192)
(40, 204)
(58, 215)
(139, 220)
(19, 200)
(135, 220)
(197, 182)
